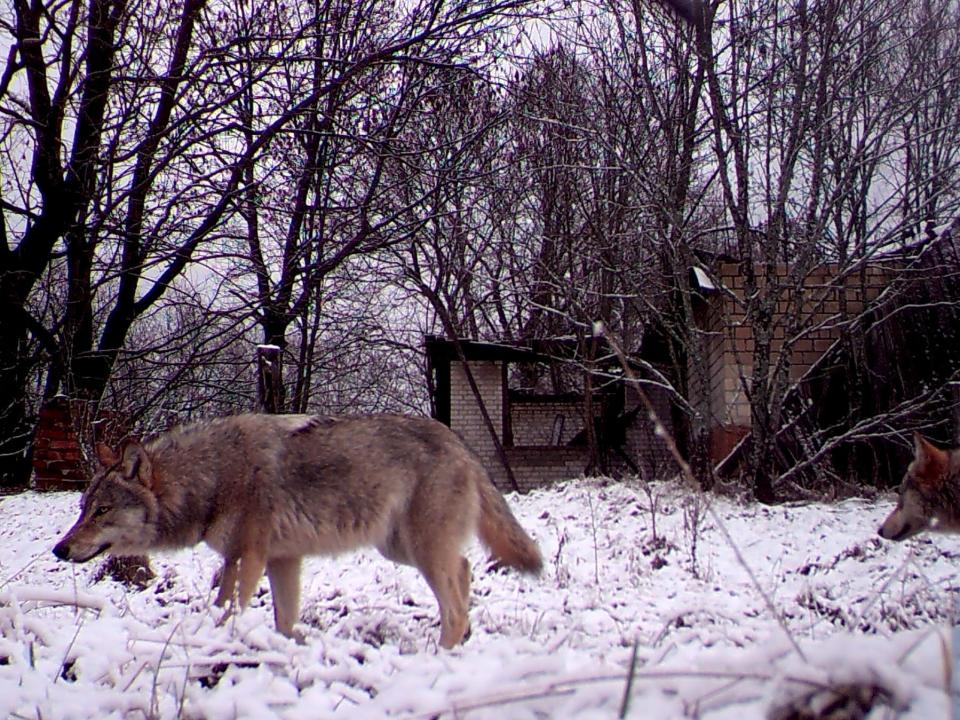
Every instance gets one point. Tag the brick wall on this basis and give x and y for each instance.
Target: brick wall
(731, 343)
(59, 462)
(545, 423)
(466, 419)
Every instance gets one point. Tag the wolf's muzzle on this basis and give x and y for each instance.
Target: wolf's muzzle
(62, 551)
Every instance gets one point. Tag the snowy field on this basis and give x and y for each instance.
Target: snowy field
(831, 612)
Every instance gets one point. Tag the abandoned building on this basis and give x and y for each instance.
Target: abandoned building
(822, 317)
(534, 435)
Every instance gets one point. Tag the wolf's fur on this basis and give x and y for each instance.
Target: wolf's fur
(266, 490)
(929, 494)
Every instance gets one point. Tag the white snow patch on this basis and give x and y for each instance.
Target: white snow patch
(703, 280)
(864, 613)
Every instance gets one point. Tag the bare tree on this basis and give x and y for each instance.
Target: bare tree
(806, 103)
(611, 124)
(147, 192)
(336, 156)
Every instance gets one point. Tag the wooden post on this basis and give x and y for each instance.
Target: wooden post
(270, 378)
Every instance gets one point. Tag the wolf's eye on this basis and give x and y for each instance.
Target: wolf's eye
(102, 510)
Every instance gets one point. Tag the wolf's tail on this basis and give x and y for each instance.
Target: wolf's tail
(501, 533)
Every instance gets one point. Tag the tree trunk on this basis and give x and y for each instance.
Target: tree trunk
(270, 378)
(15, 426)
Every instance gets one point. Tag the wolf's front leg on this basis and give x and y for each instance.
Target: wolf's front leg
(284, 574)
(252, 565)
(227, 593)
(227, 580)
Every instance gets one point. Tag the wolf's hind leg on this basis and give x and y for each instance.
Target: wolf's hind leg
(444, 572)
(465, 577)
(284, 575)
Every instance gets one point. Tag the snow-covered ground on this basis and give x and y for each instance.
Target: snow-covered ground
(830, 606)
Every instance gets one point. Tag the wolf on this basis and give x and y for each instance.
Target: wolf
(264, 491)
(929, 494)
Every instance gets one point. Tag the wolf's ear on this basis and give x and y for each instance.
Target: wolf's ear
(106, 456)
(136, 464)
(930, 463)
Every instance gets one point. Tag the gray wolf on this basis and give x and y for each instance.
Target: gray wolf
(929, 494)
(265, 490)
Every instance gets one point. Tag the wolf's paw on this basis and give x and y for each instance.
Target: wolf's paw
(227, 612)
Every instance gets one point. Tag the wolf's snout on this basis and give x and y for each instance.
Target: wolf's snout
(889, 532)
(61, 550)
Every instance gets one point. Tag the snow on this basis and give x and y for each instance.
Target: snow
(832, 606)
(703, 280)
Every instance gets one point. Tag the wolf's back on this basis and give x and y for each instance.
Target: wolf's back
(501, 533)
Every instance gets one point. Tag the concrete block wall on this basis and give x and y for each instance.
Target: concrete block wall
(710, 321)
(535, 467)
(535, 458)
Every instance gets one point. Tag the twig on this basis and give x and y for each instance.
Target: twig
(568, 686)
(18, 573)
(154, 709)
(45, 597)
(66, 653)
(136, 674)
(625, 703)
(596, 553)
(661, 432)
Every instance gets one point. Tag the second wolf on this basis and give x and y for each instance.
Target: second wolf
(266, 490)
(929, 494)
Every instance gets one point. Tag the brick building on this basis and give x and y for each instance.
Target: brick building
(542, 436)
(808, 322)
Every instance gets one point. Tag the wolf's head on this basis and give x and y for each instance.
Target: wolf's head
(118, 511)
(921, 492)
